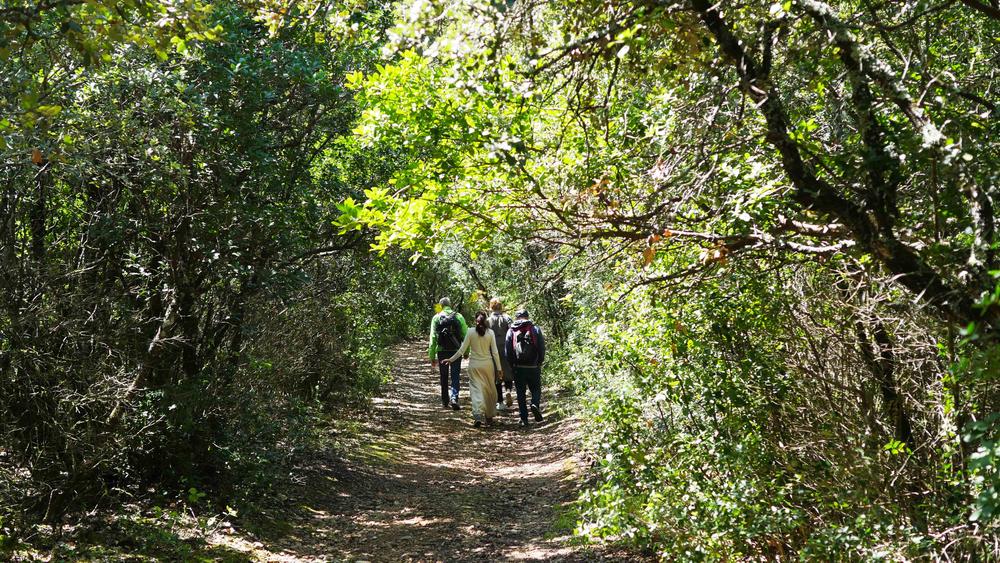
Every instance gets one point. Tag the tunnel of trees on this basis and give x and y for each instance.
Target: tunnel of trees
(761, 236)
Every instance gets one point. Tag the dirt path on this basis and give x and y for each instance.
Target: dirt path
(421, 484)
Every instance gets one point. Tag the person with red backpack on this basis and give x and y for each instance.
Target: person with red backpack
(525, 348)
(448, 330)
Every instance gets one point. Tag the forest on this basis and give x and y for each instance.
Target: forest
(760, 236)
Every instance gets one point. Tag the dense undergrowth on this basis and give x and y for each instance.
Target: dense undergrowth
(738, 421)
(176, 310)
(752, 415)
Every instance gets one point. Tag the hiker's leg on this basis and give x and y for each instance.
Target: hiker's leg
(487, 388)
(520, 384)
(534, 381)
(443, 370)
(476, 395)
(456, 378)
(508, 380)
(499, 386)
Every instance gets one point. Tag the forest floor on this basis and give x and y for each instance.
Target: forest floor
(412, 481)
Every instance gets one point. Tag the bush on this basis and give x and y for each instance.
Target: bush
(720, 429)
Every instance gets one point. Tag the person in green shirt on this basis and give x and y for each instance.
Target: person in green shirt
(448, 330)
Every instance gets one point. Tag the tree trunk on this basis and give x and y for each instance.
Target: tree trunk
(39, 212)
(881, 362)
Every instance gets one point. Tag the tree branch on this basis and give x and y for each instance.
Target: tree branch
(990, 11)
(814, 192)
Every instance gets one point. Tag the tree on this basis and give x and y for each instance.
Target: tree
(170, 199)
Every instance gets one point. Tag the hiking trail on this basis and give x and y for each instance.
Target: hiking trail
(419, 483)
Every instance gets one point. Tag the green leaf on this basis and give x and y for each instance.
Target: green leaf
(49, 111)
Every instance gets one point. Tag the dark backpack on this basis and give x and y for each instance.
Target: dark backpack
(448, 332)
(525, 345)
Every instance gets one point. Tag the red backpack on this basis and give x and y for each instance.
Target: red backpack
(525, 344)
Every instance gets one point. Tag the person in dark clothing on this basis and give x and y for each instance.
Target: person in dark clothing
(500, 324)
(525, 348)
(448, 330)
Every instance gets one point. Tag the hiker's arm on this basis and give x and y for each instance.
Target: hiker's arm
(508, 345)
(465, 331)
(433, 347)
(461, 350)
(495, 352)
(541, 347)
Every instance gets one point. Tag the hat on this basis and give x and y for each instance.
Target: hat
(522, 314)
(445, 302)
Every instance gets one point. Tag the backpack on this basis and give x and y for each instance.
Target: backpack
(500, 324)
(448, 331)
(525, 345)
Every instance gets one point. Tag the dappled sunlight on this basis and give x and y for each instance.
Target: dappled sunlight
(423, 484)
(421, 521)
(539, 553)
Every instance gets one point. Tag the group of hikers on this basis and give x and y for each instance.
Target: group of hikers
(502, 353)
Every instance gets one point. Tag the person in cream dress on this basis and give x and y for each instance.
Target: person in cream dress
(484, 365)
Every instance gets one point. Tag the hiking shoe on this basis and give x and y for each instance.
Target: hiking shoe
(500, 406)
(509, 400)
(455, 407)
(476, 422)
(537, 411)
(523, 423)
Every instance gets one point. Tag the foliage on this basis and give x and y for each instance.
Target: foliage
(697, 437)
(761, 235)
(978, 367)
(773, 220)
(176, 304)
